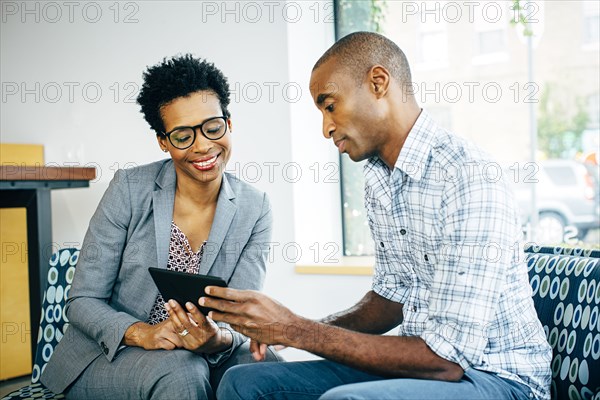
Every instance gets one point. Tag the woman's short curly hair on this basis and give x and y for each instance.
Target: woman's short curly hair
(177, 77)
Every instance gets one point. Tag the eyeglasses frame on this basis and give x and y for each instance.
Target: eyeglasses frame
(193, 128)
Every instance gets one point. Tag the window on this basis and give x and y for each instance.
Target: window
(432, 42)
(479, 97)
(591, 22)
(433, 49)
(489, 40)
(354, 16)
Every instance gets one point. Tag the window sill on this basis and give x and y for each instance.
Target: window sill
(361, 266)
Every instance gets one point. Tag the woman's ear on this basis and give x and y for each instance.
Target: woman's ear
(162, 143)
(229, 125)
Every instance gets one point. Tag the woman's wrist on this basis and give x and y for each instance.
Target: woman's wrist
(132, 336)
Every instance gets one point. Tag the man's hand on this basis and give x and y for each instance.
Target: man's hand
(255, 315)
(258, 350)
(197, 332)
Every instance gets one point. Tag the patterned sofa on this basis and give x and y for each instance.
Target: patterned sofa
(566, 293)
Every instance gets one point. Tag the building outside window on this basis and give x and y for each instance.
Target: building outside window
(490, 32)
(591, 22)
(432, 37)
(483, 93)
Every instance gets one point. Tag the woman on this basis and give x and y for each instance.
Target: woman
(183, 214)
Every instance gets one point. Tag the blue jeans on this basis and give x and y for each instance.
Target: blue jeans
(327, 380)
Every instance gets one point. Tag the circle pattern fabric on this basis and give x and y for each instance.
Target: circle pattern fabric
(52, 323)
(565, 284)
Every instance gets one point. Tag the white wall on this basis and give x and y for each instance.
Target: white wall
(53, 58)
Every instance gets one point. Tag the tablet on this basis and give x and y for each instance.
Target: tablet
(183, 287)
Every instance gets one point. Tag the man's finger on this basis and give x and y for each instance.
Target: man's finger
(228, 293)
(261, 354)
(263, 350)
(255, 349)
(218, 304)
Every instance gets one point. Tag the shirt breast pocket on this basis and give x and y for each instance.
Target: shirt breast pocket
(423, 209)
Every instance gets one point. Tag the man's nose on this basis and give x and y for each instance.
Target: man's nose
(328, 128)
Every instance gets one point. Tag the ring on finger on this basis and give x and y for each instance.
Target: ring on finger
(184, 333)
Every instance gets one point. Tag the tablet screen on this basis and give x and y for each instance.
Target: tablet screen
(183, 287)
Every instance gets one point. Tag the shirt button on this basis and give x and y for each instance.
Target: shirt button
(415, 308)
(381, 244)
(403, 231)
(425, 257)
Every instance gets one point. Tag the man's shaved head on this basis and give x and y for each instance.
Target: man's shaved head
(357, 52)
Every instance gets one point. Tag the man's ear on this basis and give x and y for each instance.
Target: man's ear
(379, 80)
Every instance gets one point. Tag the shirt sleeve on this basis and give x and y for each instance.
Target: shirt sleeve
(389, 286)
(480, 226)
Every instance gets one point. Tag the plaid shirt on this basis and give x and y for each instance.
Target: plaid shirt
(449, 247)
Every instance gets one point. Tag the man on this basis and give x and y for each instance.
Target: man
(449, 267)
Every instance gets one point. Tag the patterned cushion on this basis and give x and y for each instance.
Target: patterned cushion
(53, 321)
(566, 294)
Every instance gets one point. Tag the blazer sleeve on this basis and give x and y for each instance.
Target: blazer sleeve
(249, 272)
(98, 268)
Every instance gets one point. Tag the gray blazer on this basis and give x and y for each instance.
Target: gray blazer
(129, 232)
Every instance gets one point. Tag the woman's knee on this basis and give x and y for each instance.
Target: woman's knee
(179, 374)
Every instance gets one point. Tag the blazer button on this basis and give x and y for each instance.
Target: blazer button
(104, 348)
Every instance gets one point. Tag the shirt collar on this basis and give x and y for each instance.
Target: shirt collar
(413, 156)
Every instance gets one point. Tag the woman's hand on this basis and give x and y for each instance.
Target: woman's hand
(153, 337)
(197, 332)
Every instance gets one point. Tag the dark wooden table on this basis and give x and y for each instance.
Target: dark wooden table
(29, 187)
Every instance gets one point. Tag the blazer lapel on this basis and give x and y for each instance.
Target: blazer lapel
(224, 214)
(163, 200)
